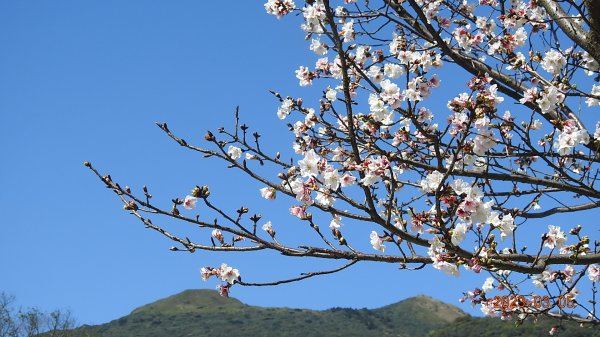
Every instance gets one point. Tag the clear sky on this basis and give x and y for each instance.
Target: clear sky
(87, 80)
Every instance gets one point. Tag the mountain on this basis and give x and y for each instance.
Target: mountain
(204, 313)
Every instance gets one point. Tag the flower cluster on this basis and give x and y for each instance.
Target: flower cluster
(437, 253)
(279, 8)
(225, 273)
(553, 62)
(393, 132)
(569, 137)
(555, 238)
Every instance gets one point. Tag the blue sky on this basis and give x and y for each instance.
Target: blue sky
(87, 80)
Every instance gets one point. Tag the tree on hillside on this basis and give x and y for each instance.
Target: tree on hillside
(480, 178)
(33, 322)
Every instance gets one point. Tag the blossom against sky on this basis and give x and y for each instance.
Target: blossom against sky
(87, 81)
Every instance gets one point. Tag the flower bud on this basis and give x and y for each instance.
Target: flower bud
(336, 232)
(196, 192)
(575, 230)
(131, 206)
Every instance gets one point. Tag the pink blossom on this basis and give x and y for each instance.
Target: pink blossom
(190, 202)
(594, 273)
(223, 290)
(298, 211)
(347, 180)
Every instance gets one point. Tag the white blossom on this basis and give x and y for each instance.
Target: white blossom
(267, 227)
(305, 76)
(205, 273)
(268, 193)
(313, 15)
(520, 37)
(569, 137)
(436, 246)
(591, 101)
(217, 234)
(234, 152)
(285, 108)
(279, 8)
(432, 182)
(539, 280)
(591, 64)
(309, 165)
(555, 238)
(459, 233)
(483, 142)
(324, 198)
(449, 268)
(376, 242)
(536, 125)
(393, 70)
(593, 273)
(507, 226)
(336, 222)
(597, 131)
(488, 284)
(390, 93)
(375, 74)
(549, 98)
(318, 47)
(331, 179)
(228, 274)
(347, 31)
(553, 62)
(331, 94)
(487, 308)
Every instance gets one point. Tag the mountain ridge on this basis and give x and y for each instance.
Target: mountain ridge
(189, 300)
(197, 312)
(212, 297)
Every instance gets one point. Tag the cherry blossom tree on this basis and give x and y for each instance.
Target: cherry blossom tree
(480, 183)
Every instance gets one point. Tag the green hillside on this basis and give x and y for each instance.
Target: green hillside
(495, 327)
(204, 313)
